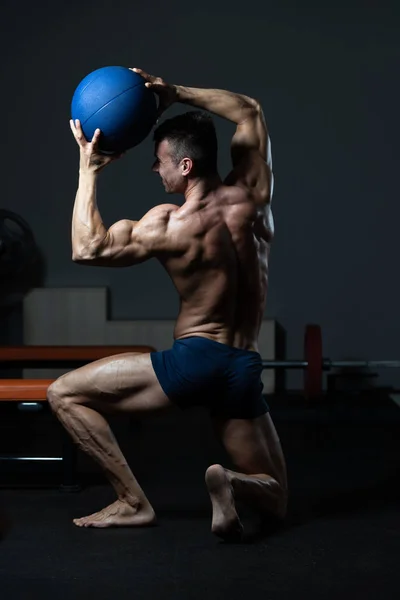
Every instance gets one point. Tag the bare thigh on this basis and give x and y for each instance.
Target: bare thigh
(123, 383)
(253, 446)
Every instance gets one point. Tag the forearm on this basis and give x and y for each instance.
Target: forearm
(88, 231)
(231, 106)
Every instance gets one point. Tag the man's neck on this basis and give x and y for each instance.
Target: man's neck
(199, 188)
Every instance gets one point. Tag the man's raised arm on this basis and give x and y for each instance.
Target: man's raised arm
(126, 242)
(250, 147)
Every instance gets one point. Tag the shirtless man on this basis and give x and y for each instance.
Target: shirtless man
(215, 248)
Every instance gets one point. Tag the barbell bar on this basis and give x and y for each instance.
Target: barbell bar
(314, 364)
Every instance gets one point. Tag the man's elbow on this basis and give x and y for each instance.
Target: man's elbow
(254, 107)
(85, 255)
(79, 260)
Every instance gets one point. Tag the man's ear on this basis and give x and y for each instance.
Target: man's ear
(187, 166)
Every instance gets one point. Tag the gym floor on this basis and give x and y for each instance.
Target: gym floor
(341, 538)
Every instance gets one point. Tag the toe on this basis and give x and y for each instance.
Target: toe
(81, 522)
(77, 522)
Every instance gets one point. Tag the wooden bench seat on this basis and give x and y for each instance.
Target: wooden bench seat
(24, 389)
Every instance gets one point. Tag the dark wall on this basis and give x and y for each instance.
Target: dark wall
(328, 79)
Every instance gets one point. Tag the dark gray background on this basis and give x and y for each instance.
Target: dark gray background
(328, 79)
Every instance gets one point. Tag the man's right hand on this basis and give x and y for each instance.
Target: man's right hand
(166, 93)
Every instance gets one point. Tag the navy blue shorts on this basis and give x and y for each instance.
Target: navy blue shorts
(197, 371)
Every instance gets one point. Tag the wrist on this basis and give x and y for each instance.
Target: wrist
(181, 93)
(88, 174)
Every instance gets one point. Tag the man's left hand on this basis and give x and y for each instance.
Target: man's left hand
(91, 159)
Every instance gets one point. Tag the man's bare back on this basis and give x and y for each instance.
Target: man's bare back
(220, 266)
(215, 248)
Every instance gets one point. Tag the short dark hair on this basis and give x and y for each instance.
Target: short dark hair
(192, 135)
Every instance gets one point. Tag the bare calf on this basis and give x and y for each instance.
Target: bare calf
(122, 384)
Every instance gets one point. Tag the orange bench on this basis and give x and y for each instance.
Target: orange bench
(24, 389)
(30, 392)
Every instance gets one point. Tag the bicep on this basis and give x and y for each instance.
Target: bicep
(126, 244)
(121, 247)
(251, 157)
(129, 243)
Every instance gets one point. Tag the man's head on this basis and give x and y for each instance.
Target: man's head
(186, 148)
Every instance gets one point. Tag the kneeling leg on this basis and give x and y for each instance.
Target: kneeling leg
(260, 481)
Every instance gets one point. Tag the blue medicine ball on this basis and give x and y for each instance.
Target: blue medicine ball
(116, 101)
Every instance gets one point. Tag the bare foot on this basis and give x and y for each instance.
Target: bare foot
(225, 520)
(119, 514)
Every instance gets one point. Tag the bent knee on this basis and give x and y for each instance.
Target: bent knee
(59, 393)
